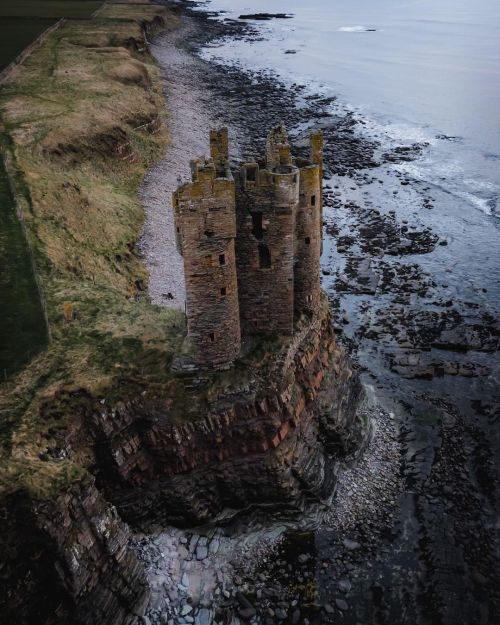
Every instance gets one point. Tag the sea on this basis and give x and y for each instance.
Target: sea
(426, 70)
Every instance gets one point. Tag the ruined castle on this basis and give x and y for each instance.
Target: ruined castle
(251, 245)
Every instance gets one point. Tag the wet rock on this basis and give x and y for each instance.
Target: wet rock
(351, 545)
(203, 617)
(265, 16)
(247, 610)
(281, 614)
(344, 585)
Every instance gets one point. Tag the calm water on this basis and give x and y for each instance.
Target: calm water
(428, 68)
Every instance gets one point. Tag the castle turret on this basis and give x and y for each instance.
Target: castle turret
(309, 229)
(267, 199)
(206, 229)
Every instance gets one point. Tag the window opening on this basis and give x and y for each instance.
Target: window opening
(257, 229)
(264, 257)
(223, 290)
(222, 259)
(313, 200)
(307, 240)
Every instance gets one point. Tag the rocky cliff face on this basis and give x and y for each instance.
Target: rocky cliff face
(68, 561)
(275, 439)
(269, 432)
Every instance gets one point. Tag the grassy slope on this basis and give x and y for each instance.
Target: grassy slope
(74, 114)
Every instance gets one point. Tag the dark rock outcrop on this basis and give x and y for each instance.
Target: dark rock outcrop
(68, 560)
(274, 439)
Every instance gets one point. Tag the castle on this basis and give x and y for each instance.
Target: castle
(251, 245)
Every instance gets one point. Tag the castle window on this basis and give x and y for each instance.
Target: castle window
(264, 257)
(211, 337)
(251, 174)
(222, 259)
(307, 240)
(223, 291)
(313, 200)
(257, 230)
(178, 229)
(209, 233)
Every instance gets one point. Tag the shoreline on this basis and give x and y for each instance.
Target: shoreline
(207, 588)
(418, 499)
(395, 240)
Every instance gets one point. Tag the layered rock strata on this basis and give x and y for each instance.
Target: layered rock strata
(269, 435)
(68, 560)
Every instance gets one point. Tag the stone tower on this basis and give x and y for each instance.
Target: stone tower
(204, 212)
(308, 229)
(267, 200)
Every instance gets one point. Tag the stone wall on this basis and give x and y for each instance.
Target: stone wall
(266, 207)
(307, 245)
(206, 230)
(277, 227)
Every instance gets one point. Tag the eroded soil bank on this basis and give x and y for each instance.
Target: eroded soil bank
(413, 524)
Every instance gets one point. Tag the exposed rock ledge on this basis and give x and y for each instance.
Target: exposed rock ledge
(268, 434)
(271, 431)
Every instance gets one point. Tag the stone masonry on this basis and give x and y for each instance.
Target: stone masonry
(251, 245)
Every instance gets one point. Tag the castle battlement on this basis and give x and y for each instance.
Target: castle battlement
(251, 244)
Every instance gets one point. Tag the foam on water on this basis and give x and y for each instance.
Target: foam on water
(353, 29)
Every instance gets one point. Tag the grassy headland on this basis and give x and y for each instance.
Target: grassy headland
(81, 121)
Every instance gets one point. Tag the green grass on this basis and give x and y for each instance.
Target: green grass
(22, 21)
(71, 113)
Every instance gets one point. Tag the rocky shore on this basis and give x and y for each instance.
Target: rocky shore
(301, 507)
(415, 342)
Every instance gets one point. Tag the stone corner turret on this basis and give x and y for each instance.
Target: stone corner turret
(251, 246)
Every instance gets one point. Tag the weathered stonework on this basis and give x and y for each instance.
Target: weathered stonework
(277, 231)
(206, 230)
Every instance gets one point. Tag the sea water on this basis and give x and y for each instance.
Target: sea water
(422, 70)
